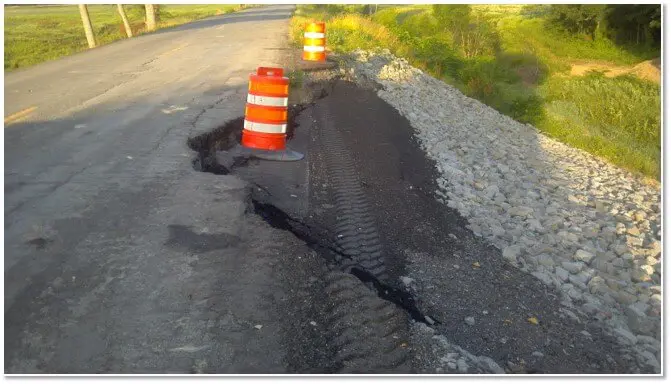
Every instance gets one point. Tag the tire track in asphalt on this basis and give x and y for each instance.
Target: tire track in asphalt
(429, 241)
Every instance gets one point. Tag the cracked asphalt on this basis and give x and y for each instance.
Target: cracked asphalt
(122, 258)
(119, 257)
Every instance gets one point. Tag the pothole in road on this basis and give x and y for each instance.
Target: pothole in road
(228, 135)
(207, 144)
(225, 137)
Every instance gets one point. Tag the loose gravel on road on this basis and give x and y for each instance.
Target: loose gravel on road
(580, 225)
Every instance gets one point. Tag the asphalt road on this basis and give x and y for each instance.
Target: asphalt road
(122, 257)
(119, 257)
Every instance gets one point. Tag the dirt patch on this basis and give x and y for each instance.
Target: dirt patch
(647, 70)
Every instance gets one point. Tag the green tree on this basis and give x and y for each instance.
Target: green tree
(586, 19)
(635, 23)
(453, 17)
(474, 35)
(622, 23)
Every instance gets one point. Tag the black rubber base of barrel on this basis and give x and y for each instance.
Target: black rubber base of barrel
(316, 65)
(239, 151)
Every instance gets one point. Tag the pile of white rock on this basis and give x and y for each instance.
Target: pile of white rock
(579, 224)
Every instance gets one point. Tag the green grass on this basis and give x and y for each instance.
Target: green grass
(34, 34)
(615, 118)
(558, 49)
(296, 77)
(520, 67)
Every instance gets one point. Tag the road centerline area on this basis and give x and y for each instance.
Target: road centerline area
(18, 116)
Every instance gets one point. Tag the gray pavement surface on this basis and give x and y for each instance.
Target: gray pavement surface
(119, 257)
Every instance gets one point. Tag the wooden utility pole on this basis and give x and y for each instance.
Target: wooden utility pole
(84, 12)
(150, 18)
(126, 24)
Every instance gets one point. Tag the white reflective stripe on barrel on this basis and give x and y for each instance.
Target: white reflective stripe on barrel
(265, 128)
(313, 48)
(314, 35)
(267, 101)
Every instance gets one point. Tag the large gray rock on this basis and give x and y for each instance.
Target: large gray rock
(625, 336)
(643, 339)
(625, 298)
(489, 365)
(639, 275)
(520, 211)
(637, 320)
(651, 360)
(578, 281)
(621, 249)
(562, 274)
(584, 256)
(545, 260)
(597, 285)
(462, 366)
(573, 267)
(511, 253)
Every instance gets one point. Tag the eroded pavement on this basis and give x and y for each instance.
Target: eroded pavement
(133, 244)
(364, 201)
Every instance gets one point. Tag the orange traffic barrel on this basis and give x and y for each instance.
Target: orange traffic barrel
(266, 113)
(314, 42)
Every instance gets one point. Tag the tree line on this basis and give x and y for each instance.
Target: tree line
(621, 23)
(625, 24)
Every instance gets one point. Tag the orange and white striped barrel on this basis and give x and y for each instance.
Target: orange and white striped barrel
(266, 111)
(314, 42)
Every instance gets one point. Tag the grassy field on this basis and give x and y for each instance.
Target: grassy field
(517, 64)
(34, 34)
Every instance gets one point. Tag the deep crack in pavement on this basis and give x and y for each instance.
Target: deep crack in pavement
(373, 214)
(327, 249)
(226, 136)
